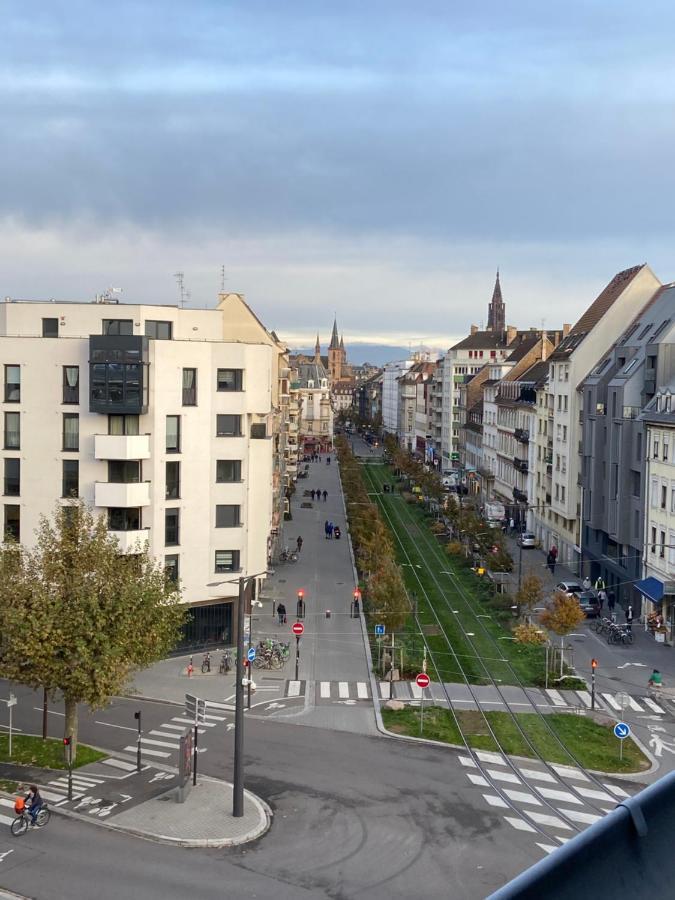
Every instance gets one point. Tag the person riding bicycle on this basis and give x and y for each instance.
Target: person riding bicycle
(35, 802)
(655, 679)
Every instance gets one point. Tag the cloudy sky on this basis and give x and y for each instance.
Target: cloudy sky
(375, 159)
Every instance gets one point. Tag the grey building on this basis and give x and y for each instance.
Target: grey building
(614, 449)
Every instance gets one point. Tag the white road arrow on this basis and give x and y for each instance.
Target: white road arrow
(230, 726)
(637, 665)
(127, 797)
(6, 853)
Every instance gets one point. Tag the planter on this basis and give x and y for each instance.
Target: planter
(660, 637)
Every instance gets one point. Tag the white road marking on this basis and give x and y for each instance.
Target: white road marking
(616, 790)
(343, 690)
(655, 706)
(52, 712)
(166, 734)
(181, 728)
(118, 764)
(7, 820)
(152, 743)
(552, 794)
(520, 824)
(415, 690)
(192, 722)
(557, 698)
(594, 795)
(477, 779)
(147, 752)
(569, 772)
(212, 704)
(496, 801)
(577, 816)
(361, 690)
(293, 689)
(214, 718)
(634, 704)
(546, 819)
(585, 698)
(547, 848)
(325, 690)
(488, 757)
(121, 727)
(52, 795)
(612, 702)
(384, 690)
(536, 775)
(503, 776)
(522, 797)
(467, 761)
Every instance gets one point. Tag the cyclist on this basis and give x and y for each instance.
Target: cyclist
(655, 679)
(34, 803)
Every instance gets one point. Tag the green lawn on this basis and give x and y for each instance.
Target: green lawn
(594, 745)
(33, 751)
(449, 597)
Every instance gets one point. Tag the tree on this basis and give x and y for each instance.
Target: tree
(562, 615)
(530, 595)
(77, 617)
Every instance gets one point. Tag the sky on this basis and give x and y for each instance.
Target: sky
(374, 160)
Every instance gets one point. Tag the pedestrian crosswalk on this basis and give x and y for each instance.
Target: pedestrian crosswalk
(163, 742)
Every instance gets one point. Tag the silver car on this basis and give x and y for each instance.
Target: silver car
(527, 539)
(569, 587)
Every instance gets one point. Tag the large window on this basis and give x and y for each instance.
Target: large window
(71, 384)
(171, 566)
(12, 384)
(124, 471)
(12, 431)
(171, 527)
(12, 522)
(228, 515)
(172, 480)
(259, 430)
(122, 424)
(118, 380)
(124, 519)
(189, 387)
(173, 434)
(228, 426)
(227, 561)
(71, 431)
(160, 331)
(50, 328)
(118, 326)
(230, 379)
(228, 470)
(71, 478)
(12, 477)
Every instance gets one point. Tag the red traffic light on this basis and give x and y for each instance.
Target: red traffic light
(357, 593)
(301, 594)
(594, 664)
(67, 741)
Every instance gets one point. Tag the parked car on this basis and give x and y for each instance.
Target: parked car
(527, 539)
(589, 603)
(569, 587)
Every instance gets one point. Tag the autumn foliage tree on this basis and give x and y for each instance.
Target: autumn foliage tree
(561, 616)
(77, 617)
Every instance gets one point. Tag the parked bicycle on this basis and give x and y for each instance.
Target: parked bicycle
(287, 555)
(206, 663)
(619, 634)
(225, 663)
(23, 820)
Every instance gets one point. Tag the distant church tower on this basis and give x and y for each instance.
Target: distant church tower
(337, 356)
(496, 309)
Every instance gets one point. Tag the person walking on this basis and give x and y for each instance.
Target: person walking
(602, 596)
(330, 531)
(281, 612)
(629, 618)
(554, 552)
(586, 583)
(512, 525)
(312, 493)
(325, 495)
(599, 583)
(325, 528)
(299, 543)
(328, 460)
(550, 562)
(611, 602)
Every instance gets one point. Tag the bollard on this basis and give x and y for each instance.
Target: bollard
(356, 608)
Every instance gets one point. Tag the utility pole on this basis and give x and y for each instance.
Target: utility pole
(238, 780)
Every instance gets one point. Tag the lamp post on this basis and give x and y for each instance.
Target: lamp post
(238, 767)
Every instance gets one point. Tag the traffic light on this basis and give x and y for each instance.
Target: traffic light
(137, 714)
(301, 594)
(67, 741)
(594, 664)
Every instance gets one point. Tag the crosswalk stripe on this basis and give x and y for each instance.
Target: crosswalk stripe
(7, 820)
(569, 772)
(467, 761)
(557, 698)
(52, 795)
(167, 734)
(612, 702)
(616, 790)
(154, 743)
(148, 752)
(118, 764)
(181, 728)
(594, 795)
(361, 690)
(503, 776)
(520, 824)
(293, 689)
(496, 801)
(564, 796)
(192, 722)
(213, 704)
(576, 815)
(343, 690)
(522, 797)
(536, 775)
(477, 779)
(585, 698)
(385, 687)
(633, 704)
(325, 689)
(487, 756)
(215, 718)
(5, 801)
(546, 819)
(415, 690)
(547, 848)
(655, 706)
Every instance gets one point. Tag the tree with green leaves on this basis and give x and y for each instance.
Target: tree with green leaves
(77, 617)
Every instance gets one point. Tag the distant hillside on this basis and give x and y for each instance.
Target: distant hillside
(377, 354)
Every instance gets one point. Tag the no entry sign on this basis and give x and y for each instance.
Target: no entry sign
(423, 680)
(297, 628)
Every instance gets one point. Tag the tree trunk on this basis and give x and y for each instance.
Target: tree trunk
(562, 651)
(45, 711)
(70, 728)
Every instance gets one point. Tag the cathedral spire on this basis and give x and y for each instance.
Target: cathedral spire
(342, 342)
(317, 348)
(334, 339)
(496, 309)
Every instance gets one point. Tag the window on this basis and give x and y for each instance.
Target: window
(118, 326)
(228, 470)
(259, 430)
(664, 496)
(172, 480)
(50, 328)
(71, 478)
(159, 331)
(12, 431)
(672, 499)
(562, 493)
(12, 522)
(228, 516)
(12, 384)
(564, 434)
(228, 426)
(653, 541)
(662, 544)
(638, 448)
(118, 424)
(12, 477)
(227, 561)
(173, 434)
(654, 493)
(124, 471)
(71, 431)
(656, 448)
(171, 527)
(664, 455)
(189, 387)
(171, 567)
(230, 379)
(124, 519)
(635, 484)
(71, 384)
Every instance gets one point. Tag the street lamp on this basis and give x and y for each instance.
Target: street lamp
(238, 776)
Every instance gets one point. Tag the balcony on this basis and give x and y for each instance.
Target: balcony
(121, 446)
(129, 541)
(549, 470)
(109, 493)
(522, 435)
(520, 464)
(519, 496)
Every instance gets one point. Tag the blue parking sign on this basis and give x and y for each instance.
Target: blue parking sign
(379, 629)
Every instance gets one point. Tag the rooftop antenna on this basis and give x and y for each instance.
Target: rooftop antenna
(222, 279)
(180, 278)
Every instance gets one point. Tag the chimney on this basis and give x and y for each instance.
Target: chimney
(511, 332)
(544, 346)
(566, 329)
(474, 329)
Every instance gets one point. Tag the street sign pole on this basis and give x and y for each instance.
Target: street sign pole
(297, 656)
(194, 764)
(137, 716)
(622, 731)
(422, 682)
(594, 665)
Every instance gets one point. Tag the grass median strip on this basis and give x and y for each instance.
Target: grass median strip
(595, 746)
(28, 750)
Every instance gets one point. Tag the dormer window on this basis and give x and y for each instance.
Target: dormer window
(310, 383)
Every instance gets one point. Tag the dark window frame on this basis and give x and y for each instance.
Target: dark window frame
(172, 567)
(7, 444)
(220, 417)
(114, 327)
(11, 386)
(73, 476)
(49, 323)
(126, 418)
(12, 482)
(126, 472)
(223, 512)
(71, 394)
(69, 417)
(221, 568)
(155, 327)
(130, 517)
(171, 532)
(172, 489)
(190, 392)
(10, 528)
(236, 463)
(238, 381)
(176, 448)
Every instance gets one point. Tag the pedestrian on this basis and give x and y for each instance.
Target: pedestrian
(312, 493)
(599, 583)
(330, 531)
(325, 527)
(318, 493)
(281, 612)
(602, 596)
(505, 525)
(629, 618)
(586, 584)
(611, 601)
(299, 543)
(554, 552)
(328, 460)
(550, 562)
(325, 496)
(512, 525)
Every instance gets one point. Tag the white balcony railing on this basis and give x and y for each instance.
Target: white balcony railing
(107, 493)
(129, 541)
(122, 446)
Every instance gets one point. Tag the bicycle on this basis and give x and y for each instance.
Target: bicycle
(206, 663)
(268, 659)
(225, 663)
(24, 820)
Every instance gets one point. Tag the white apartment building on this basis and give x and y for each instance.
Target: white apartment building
(390, 393)
(161, 419)
(581, 350)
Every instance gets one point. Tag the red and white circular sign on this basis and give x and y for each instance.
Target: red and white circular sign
(297, 628)
(423, 680)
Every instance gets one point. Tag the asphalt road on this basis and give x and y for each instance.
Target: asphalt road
(354, 817)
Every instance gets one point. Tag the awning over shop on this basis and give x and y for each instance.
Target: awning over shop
(651, 588)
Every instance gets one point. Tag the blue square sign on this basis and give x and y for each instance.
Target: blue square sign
(379, 629)
(251, 654)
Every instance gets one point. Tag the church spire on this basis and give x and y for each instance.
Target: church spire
(342, 342)
(334, 339)
(496, 309)
(317, 348)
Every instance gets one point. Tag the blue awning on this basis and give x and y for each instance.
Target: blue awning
(651, 588)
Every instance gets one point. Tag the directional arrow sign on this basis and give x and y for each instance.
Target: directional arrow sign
(622, 730)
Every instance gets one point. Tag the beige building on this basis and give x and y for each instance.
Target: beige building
(316, 408)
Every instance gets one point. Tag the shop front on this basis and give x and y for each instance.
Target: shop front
(659, 610)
